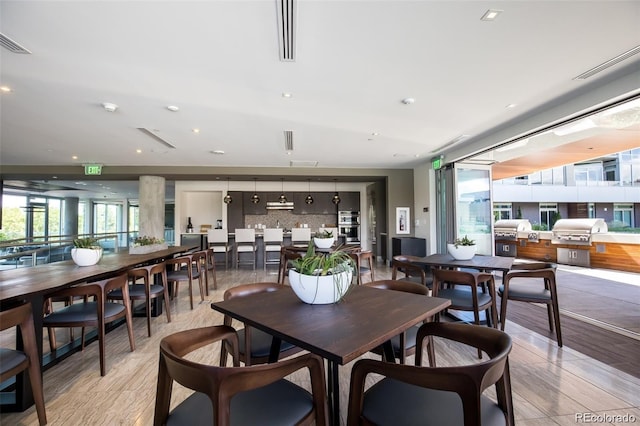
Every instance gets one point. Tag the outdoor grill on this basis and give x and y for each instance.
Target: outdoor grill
(577, 231)
(507, 229)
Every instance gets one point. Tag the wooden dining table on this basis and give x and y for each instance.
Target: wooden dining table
(480, 262)
(340, 332)
(33, 284)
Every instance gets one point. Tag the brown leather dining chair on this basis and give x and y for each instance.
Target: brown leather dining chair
(363, 260)
(410, 272)
(14, 361)
(186, 268)
(95, 311)
(442, 396)
(147, 290)
(287, 256)
(533, 282)
(403, 344)
(253, 395)
(255, 345)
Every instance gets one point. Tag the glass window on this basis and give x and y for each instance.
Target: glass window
(502, 211)
(623, 215)
(548, 214)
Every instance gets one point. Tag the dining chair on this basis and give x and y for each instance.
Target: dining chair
(533, 283)
(246, 243)
(218, 241)
(186, 268)
(442, 396)
(209, 270)
(364, 260)
(411, 272)
(254, 345)
(147, 290)
(15, 361)
(249, 395)
(287, 256)
(404, 344)
(300, 237)
(272, 241)
(94, 311)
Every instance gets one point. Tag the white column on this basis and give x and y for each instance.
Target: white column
(152, 190)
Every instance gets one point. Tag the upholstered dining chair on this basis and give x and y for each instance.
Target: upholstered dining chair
(209, 270)
(186, 268)
(287, 256)
(14, 361)
(404, 344)
(363, 260)
(442, 396)
(249, 395)
(533, 282)
(147, 290)
(95, 311)
(410, 272)
(254, 345)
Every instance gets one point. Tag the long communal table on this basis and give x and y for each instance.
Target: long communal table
(34, 283)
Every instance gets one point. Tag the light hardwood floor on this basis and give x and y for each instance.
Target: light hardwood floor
(551, 385)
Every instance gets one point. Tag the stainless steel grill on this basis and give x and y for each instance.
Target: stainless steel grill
(577, 231)
(507, 229)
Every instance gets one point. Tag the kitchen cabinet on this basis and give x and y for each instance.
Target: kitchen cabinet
(235, 211)
(409, 246)
(321, 203)
(349, 201)
(257, 208)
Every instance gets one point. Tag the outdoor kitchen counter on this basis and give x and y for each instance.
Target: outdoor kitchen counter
(610, 250)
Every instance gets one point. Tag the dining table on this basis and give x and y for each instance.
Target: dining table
(480, 262)
(362, 320)
(33, 284)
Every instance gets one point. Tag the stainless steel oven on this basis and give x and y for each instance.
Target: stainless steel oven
(351, 233)
(348, 218)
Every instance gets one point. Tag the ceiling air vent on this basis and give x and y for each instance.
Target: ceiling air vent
(288, 140)
(12, 46)
(611, 62)
(287, 19)
(156, 137)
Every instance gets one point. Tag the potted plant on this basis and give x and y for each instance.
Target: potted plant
(86, 251)
(145, 244)
(324, 239)
(321, 278)
(462, 248)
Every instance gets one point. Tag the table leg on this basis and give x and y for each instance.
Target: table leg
(333, 392)
(274, 351)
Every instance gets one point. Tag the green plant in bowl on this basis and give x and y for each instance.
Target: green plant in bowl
(88, 243)
(465, 241)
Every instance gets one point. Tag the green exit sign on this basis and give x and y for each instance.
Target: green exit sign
(93, 169)
(436, 163)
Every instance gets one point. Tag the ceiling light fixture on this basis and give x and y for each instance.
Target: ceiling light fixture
(584, 124)
(173, 108)
(255, 199)
(227, 198)
(286, 95)
(195, 130)
(108, 106)
(217, 152)
(519, 144)
(408, 101)
(282, 198)
(5, 89)
(336, 198)
(491, 14)
(309, 199)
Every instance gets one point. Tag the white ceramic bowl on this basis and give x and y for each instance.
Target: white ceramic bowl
(86, 256)
(320, 290)
(323, 243)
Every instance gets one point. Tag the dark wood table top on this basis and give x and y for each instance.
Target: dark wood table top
(22, 282)
(481, 262)
(364, 319)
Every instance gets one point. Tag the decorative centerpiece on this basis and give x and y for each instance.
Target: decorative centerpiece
(462, 248)
(86, 251)
(144, 244)
(324, 240)
(321, 278)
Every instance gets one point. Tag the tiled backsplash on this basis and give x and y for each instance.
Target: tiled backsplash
(289, 220)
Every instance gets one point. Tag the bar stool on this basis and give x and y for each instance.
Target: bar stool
(246, 243)
(13, 361)
(147, 291)
(272, 239)
(218, 240)
(300, 237)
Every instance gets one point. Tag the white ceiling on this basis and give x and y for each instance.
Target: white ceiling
(218, 61)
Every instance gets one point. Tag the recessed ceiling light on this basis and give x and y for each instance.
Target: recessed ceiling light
(511, 106)
(217, 152)
(110, 107)
(375, 134)
(408, 101)
(74, 157)
(139, 151)
(5, 89)
(195, 130)
(173, 108)
(286, 95)
(491, 14)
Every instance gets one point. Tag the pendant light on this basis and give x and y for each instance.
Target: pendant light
(282, 198)
(309, 199)
(255, 199)
(227, 198)
(336, 198)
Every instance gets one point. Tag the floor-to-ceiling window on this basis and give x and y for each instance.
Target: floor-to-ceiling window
(502, 211)
(473, 210)
(623, 214)
(548, 215)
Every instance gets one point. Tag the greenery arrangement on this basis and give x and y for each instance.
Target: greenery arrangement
(88, 243)
(323, 263)
(464, 242)
(146, 241)
(325, 234)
